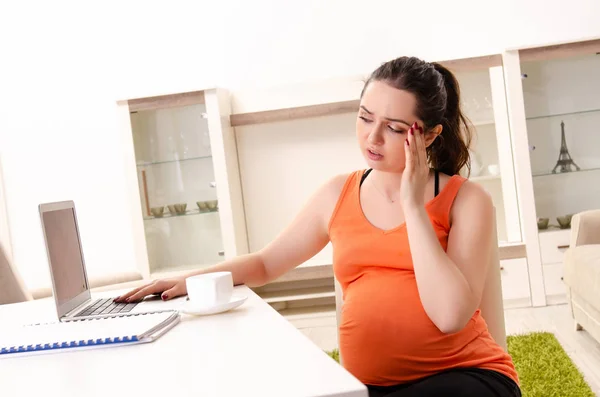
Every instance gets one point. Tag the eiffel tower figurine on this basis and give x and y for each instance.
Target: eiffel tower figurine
(565, 163)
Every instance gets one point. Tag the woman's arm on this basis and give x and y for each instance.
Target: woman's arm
(306, 235)
(451, 283)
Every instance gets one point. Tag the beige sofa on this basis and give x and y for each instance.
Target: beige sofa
(582, 272)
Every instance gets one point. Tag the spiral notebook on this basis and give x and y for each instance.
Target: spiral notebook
(58, 337)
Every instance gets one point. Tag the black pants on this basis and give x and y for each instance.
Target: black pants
(463, 382)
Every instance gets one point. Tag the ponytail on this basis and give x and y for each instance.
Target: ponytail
(449, 152)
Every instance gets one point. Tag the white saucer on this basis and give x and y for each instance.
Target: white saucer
(188, 307)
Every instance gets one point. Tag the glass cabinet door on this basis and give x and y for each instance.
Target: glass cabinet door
(562, 105)
(177, 187)
(483, 102)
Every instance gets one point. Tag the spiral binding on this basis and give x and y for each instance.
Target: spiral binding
(66, 345)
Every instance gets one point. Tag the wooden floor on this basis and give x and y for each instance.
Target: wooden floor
(579, 345)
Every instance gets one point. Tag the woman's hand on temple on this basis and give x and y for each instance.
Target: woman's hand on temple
(167, 289)
(416, 171)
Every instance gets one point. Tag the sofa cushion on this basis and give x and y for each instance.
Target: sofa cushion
(585, 228)
(582, 272)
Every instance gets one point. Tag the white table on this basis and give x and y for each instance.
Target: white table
(249, 351)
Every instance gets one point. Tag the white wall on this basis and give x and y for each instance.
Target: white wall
(283, 163)
(66, 64)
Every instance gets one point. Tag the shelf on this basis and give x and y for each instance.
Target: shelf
(299, 294)
(563, 114)
(511, 250)
(485, 178)
(564, 173)
(165, 101)
(269, 116)
(555, 228)
(559, 51)
(149, 163)
(311, 272)
(188, 213)
(321, 109)
(318, 311)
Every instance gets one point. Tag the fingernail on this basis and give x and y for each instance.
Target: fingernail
(407, 143)
(164, 297)
(411, 131)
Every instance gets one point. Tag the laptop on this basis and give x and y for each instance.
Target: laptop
(70, 285)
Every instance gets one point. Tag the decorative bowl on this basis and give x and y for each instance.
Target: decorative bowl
(180, 208)
(542, 223)
(157, 211)
(564, 221)
(213, 205)
(202, 206)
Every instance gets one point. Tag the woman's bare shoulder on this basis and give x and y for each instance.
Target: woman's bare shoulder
(329, 192)
(468, 191)
(336, 183)
(471, 198)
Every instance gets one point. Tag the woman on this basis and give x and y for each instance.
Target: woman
(411, 240)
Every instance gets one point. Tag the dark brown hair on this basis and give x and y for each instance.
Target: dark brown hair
(438, 102)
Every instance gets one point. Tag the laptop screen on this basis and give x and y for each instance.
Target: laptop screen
(64, 254)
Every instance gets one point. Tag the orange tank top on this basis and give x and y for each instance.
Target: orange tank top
(385, 335)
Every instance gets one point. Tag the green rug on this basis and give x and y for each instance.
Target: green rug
(544, 368)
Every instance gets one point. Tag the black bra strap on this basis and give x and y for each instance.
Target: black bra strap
(437, 180)
(365, 176)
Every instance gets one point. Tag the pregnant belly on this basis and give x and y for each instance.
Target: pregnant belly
(386, 334)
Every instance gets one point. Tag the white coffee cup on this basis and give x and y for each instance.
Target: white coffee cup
(210, 289)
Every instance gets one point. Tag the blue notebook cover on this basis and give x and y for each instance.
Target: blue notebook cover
(89, 333)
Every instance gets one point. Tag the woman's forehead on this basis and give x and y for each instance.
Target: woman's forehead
(383, 100)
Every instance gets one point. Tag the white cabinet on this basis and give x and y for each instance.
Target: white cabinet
(483, 100)
(184, 177)
(515, 283)
(556, 290)
(560, 87)
(563, 112)
(553, 244)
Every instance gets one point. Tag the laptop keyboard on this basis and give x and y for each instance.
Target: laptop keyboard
(106, 306)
